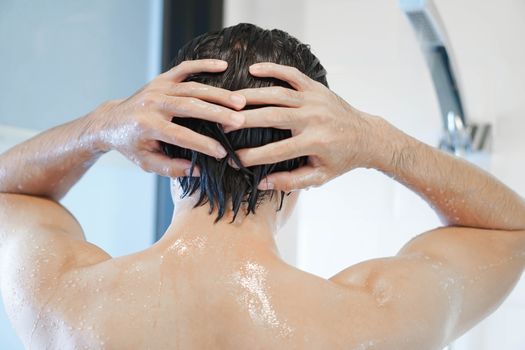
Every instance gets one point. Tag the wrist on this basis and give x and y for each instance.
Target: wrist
(390, 147)
(99, 128)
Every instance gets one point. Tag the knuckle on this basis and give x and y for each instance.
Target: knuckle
(317, 115)
(278, 117)
(291, 185)
(164, 103)
(148, 100)
(179, 89)
(293, 147)
(321, 143)
(191, 85)
(289, 117)
(169, 104)
(295, 71)
(320, 180)
(144, 165)
(174, 133)
(182, 65)
(289, 94)
(174, 88)
(140, 124)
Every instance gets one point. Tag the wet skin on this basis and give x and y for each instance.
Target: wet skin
(223, 286)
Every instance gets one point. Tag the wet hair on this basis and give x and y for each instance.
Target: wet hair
(241, 46)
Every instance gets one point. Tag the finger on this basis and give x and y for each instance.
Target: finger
(166, 166)
(291, 75)
(273, 95)
(208, 93)
(195, 108)
(271, 117)
(181, 71)
(183, 137)
(273, 152)
(303, 177)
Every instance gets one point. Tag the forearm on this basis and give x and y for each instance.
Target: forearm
(461, 193)
(49, 164)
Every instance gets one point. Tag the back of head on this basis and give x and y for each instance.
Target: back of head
(220, 185)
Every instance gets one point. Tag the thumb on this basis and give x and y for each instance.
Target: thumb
(166, 166)
(303, 177)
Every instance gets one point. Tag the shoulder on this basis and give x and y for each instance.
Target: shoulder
(40, 241)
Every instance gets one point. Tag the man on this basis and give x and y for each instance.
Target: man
(215, 279)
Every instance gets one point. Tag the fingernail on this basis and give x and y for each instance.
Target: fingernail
(187, 172)
(221, 152)
(220, 63)
(265, 185)
(256, 66)
(238, 100)
(237, 118)
(232, 163)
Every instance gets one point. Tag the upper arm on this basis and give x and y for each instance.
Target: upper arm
(442, 282)
(40, 233)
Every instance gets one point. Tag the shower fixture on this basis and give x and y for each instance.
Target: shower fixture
(459, 137)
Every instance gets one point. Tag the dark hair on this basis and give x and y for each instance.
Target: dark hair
(241, 46)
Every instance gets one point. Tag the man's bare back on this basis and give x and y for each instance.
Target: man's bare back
(189, 291)
(213, 287)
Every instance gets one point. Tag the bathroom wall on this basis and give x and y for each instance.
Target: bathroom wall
(59, 60)
(374, 62)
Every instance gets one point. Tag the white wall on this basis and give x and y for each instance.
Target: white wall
(374, 62)
(59, 60)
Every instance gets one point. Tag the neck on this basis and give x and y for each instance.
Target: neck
(191, 224)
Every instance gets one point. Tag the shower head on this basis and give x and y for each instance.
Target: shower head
(431, 35)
